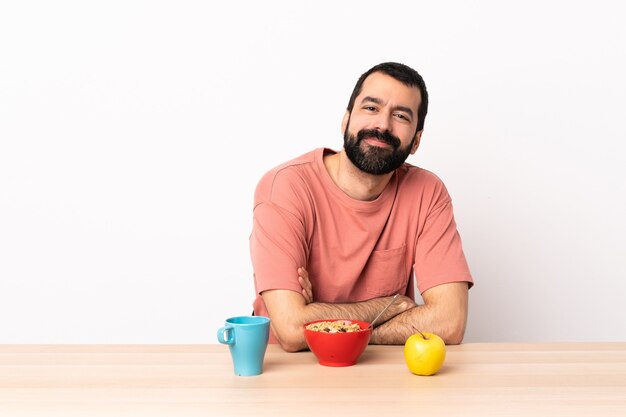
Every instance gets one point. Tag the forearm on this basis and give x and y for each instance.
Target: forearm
(290, 333)
(363, 311)
(424, 318)
(399, 328)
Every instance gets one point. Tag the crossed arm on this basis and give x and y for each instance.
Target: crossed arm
(444, 313)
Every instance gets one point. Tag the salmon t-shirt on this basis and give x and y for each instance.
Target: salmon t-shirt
(353, 250)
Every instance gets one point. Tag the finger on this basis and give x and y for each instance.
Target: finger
(303, 273)
(307, 297)
(305, 293)
(306, 290)
(303, 278)
(307, 283)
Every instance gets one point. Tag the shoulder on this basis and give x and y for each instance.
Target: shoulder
(415, 177)
(422, 184)
(286, 178)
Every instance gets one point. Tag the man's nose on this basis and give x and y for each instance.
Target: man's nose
(383, 122)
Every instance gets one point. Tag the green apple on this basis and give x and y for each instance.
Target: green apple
(424, 353)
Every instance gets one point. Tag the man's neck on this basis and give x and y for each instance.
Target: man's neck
(352, 181)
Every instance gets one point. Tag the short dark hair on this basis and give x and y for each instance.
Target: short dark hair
(403, 73)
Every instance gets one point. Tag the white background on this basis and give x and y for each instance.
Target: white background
(132, 135)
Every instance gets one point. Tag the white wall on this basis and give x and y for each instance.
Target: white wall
(132, 135)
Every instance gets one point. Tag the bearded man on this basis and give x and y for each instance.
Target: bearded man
(338, 234)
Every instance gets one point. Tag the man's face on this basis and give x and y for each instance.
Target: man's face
(379, 133)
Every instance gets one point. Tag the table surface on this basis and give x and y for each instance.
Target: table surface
(568, 379)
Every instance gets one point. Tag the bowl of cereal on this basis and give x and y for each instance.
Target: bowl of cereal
(337, 342)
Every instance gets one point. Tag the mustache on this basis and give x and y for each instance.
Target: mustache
(385, 136)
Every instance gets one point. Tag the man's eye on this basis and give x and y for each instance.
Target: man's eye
(401, 116)
(370, 108)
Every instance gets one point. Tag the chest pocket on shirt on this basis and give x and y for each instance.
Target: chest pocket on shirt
(385, 272)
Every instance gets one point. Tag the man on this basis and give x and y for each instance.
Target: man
(337, 234)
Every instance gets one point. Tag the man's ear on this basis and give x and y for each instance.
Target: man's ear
(416, 141)
(344, 122)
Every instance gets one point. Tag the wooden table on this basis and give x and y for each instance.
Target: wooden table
(573, 379)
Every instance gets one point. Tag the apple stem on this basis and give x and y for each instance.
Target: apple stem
(422, 334)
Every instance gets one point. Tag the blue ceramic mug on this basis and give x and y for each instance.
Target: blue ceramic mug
(247, 337)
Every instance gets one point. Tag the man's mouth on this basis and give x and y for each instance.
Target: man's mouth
(371, 141)
(378, 139)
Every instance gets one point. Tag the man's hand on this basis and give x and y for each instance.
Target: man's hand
(305, 283)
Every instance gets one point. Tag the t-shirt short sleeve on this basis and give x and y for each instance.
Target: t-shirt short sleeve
(439, 256)
(278, 244)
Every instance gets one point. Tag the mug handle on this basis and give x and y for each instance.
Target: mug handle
(231, 335)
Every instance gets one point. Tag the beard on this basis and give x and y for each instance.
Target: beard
(372, 159)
